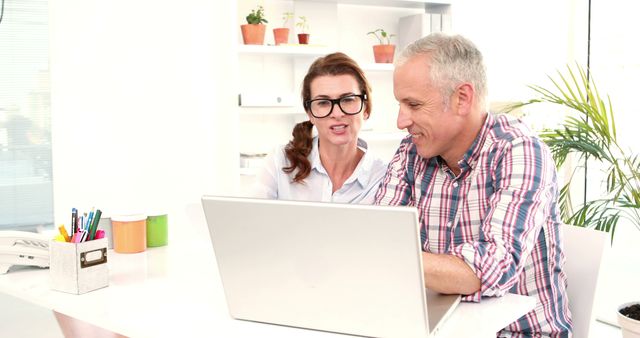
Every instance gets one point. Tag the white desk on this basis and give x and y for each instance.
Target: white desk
(175, 291)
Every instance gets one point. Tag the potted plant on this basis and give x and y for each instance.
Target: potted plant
(303, 37)
(590, 135)
(281, 35)
(629, 319)
(253, 30)
(383, 52)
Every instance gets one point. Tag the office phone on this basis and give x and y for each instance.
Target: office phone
(23, 248)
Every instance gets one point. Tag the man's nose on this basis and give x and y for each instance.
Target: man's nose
(404, 119)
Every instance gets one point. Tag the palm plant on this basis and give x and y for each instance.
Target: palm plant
(591, 135)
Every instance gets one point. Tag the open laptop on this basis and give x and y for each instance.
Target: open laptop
(354, 269)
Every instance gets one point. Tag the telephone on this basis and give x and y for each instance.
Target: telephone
(23, 248)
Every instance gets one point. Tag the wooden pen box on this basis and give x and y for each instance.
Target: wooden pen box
(78, 267)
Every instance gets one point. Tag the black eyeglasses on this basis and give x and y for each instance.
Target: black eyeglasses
(350, 105)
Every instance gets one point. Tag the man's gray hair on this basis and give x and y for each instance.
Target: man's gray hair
(454, 59)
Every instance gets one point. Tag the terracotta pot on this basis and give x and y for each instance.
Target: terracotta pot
(281, 35)
(303, 38)
(383, 53)
(253, 34)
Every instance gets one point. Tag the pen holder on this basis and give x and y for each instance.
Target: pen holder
(78, 267)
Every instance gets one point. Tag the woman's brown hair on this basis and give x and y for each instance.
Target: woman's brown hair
(299, 148)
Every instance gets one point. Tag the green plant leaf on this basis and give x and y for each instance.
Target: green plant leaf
(590, 135)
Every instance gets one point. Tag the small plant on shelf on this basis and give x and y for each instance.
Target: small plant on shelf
(303, 36)
(383, 37)
(383, 52)
(256, 17)
(281, 35)
(286, 16)
(253, 30)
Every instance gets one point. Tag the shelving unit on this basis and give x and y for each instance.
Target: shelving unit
(335, 25)
(310, 50)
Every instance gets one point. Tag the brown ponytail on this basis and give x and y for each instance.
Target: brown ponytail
(298, 150)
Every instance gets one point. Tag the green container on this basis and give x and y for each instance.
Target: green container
(157, 230)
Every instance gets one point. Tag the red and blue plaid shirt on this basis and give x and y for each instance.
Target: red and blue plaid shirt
(499, 215)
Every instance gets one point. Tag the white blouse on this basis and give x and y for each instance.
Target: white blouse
(360, 187)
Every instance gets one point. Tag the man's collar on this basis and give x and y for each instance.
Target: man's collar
(470, 157)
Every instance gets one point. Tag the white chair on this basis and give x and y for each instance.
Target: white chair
(583, 250)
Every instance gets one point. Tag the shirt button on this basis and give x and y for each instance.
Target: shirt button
(449, 224)
(455, 184)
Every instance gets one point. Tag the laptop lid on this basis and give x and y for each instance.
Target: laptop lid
(344, 268)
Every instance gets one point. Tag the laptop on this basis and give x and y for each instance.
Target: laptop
(353, 269)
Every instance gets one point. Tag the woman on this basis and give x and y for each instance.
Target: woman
(334, 166)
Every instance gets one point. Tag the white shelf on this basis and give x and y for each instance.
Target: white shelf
(388, 3)
(312, 50)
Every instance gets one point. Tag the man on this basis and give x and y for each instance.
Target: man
(484, 186)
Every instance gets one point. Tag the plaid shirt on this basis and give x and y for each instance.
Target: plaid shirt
(499, 215)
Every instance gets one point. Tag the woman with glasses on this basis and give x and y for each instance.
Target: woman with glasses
(333, 166)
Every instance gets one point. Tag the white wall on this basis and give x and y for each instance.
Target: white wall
(142, 102)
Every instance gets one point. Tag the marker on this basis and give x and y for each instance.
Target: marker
(94, 227)
(78, 236)
(99, 234)
(63, 232)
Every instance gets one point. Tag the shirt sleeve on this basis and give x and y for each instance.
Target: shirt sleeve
(266, 183)
(396, 188)
(525, 190)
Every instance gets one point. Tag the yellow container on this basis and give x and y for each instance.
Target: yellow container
(129, 233)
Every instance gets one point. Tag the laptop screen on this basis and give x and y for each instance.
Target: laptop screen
(343, 268)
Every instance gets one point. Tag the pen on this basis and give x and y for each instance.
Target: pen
(85, 235)
(89, 219)
(74, 217)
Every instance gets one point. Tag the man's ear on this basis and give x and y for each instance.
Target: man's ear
(464, 97)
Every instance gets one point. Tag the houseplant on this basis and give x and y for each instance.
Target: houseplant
(253, 31)
(383, 52)
(589, 134)
(281, 35)
(303, 36)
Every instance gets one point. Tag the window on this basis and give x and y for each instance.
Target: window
(26, 196)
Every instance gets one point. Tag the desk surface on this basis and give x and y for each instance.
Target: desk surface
(155, 294)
